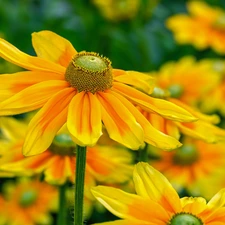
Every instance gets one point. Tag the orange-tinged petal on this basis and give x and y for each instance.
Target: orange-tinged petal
(31, 98)
(214, 217)
(193, 205)
(151, 184)
(13, 83)
(15, 56)
(152, 135)
(119, 122)
(84, 119)
(115, 200)
(46, 123)
(139, 80)
(30, 165)
(129, 206)
(59, 171)
(53, 47)
(162, 107)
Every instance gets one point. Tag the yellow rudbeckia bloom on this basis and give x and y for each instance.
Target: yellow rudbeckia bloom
(204, 27)
(189, 80)
(157, 203)
(83, 90)
(29, 202)
(193, 161)
(203, 129)
(117, 10)
(57, 163)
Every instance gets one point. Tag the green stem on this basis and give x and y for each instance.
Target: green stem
(62, 214)
(79, 185)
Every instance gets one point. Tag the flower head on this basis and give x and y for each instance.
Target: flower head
(204, 27)
(193, 161)
(157, 203)
(187, 79)
(203, 129)
(57, 163)
(82, 91)
(29, 202)
(117, 10)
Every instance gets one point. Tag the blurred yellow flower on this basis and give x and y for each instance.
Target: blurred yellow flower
(57, 163)
(117, 10)
(157, 203)
(187, 79)
(193, 161)
(216, 98)
(203, 28)
(203, 129)
(29, 202)
(83, 90)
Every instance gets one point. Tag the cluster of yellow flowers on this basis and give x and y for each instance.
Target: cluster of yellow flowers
(74, 99)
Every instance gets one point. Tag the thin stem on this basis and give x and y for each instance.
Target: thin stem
(79, 185)
(62, 214)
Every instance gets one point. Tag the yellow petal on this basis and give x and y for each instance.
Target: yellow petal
(32, 97)
(218, 200)
(105, 164)
(15, 56)
(12, 128)
(162, 107)
(141, 81)
(208, 118)
(129, 206)
(202, 130)
(46, 123)
(194, 205)
(151, 135)
(84, 119)
(151, 184)
(119, 122)
(124, 222)
(53, 47)
(59, 171)
(13, 83)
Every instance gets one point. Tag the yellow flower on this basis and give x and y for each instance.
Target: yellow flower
(203, 129)
(29, 202)
(117, 10)
(193, 161)
(83, 90)
(216, 98)
(157, 203)
(204, 27)
(57, 163)
(187, 79)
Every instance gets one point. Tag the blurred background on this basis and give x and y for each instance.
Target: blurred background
(131, 33)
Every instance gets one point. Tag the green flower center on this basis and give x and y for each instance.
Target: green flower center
(185, 219)
(63, 145)
(28, 198)
(176, 90)
(89, 72)
(186, 155)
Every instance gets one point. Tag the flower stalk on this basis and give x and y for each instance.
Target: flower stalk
(79, 185)
(62, 212)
